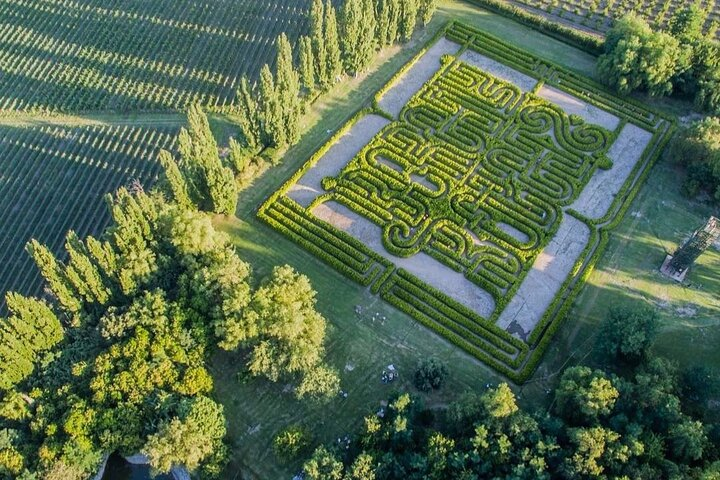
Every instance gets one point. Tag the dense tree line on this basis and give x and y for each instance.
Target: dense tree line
(339, 43)
(645, 420)
(114, 359)
(679, 60)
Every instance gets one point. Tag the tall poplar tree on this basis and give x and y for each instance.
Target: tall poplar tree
(55, 276)
(307, 64)
(350, 24)
(317, 35)
(211, 184)
(427, 10)
(288, 90)
(31, 330)
(249, 115)
(382, 14)
(174, 185)
(358, 27)
(332, 44)
(408, 19)
(81, 267)
(272, 118)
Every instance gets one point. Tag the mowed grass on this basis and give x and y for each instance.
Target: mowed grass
(658, 221)
(358, 347)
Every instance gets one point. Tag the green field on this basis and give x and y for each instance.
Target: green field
(122, 55)
(53, 179)
(63, 183)
(659, 220)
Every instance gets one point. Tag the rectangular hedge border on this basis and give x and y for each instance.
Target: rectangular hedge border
(490, 344)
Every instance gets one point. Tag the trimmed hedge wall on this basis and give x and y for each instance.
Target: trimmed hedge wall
(536, 215)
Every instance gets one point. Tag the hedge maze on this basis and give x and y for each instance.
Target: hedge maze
(478, 175)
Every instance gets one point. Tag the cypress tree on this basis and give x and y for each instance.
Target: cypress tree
(317, 34)
(249, 115)
(307, 64)
(408, 19)
(54, 276)
(288, 90)
(175, 184)
(272, 117)
(427, 10)
(332, 44)
(84, 269)
(382, 14)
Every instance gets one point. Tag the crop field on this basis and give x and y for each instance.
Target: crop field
(598, 15)
(476, 195)
(132, 55)
(53, 179)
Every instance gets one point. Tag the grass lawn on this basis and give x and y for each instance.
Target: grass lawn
(360, 347)
(658, 221)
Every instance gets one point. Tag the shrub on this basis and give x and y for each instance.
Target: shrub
(290, 443)
(430, 374)
(628, 332)
(697, 148)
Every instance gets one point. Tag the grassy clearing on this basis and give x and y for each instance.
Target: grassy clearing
(658, 221)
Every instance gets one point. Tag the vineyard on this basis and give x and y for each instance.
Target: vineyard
(134, 55)
(53, 179)
(471, 180)
(598, 14)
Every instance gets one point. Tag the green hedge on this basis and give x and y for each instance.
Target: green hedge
(539, 216)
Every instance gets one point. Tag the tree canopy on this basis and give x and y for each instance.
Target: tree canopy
(125, 339)
(678, 60)
(600, 425)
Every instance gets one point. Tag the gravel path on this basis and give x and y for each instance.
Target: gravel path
(343, 150)
(520, 80)
(573, 105)
(413, 80)
(599, 193)
(543, 281)
(423, 266)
